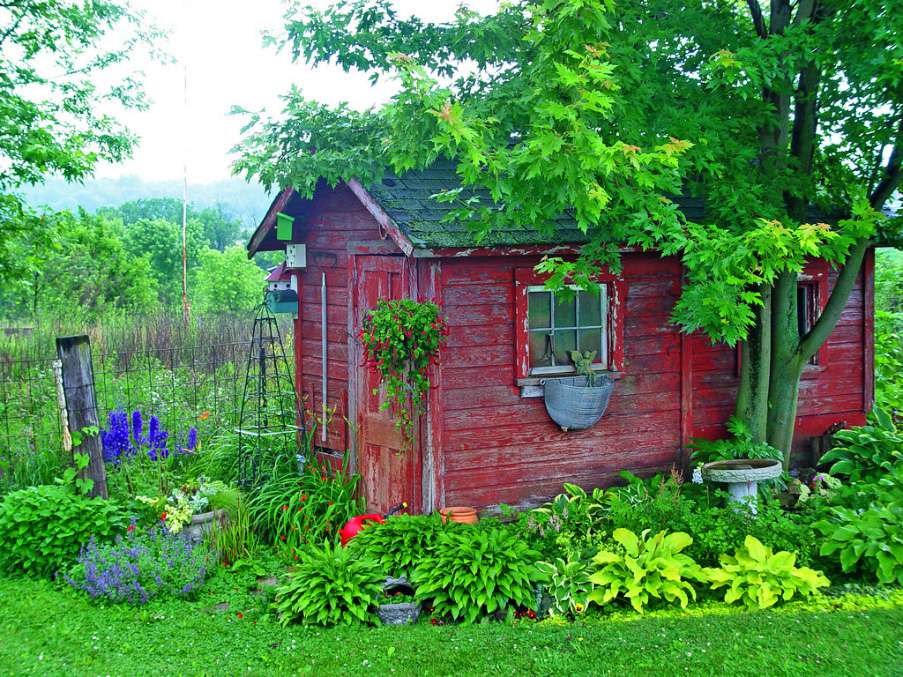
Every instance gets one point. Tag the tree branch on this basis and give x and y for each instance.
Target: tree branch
(757, 18)
(836, 302)
(889, 182)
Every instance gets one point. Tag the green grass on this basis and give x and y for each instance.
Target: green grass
(49, 630)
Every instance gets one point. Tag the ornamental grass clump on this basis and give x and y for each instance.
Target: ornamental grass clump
(140, 567)
(401, 338)
(758, 577)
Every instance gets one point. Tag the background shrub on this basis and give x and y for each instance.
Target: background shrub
(477, 571)
(43, 528)
(331, 586)
(140, 567)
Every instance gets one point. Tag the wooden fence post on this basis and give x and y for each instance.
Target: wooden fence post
(81, 405)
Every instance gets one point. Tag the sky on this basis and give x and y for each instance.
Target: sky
(220, 42)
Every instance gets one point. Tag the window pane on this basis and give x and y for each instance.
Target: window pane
(565, 342)
(565, 311)
(539, 309)
(803, 308)
(590, 308)
(591, 339)
(540, 356)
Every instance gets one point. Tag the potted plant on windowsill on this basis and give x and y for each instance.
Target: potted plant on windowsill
(578, 402)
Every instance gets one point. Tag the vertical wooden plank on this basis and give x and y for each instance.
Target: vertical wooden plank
(868, 320)
(355, 358)
(432, 497)
(81, 405)
(298, 346)
(686, 399)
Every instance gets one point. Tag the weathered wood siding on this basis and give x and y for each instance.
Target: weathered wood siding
(493, 446)
(336, 219)
(498, 447)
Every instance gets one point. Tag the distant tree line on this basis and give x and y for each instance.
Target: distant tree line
(128, 259)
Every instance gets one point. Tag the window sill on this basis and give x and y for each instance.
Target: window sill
(531, 386)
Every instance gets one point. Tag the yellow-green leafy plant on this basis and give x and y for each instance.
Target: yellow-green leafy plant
(760, 577)
(645, 568)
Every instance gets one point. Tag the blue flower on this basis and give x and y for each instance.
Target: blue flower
(137, 427)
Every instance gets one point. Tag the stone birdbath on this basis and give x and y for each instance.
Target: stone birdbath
(742, 477)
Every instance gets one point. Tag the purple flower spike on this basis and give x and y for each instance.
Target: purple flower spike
(137, 426)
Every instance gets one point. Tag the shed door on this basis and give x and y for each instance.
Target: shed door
(387, 465)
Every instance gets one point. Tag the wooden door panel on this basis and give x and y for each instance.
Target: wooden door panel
(387, 463)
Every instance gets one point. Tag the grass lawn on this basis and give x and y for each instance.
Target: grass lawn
(49, 630)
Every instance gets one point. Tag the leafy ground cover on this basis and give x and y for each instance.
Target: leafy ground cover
(49, 630)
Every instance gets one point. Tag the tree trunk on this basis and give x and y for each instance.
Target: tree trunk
(755, 367)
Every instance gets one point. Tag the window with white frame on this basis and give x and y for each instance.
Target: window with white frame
(560, 322)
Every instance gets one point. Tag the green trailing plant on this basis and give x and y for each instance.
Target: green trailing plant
(868, 452)
(400, 543)
(401, 339)
(474, 572)
(42, 528)
(870, 540)
(292, 510)
(644, 568)
(332, 585)
(759, 577)
(567, 586)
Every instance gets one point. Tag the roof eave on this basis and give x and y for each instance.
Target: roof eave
(386, 222)
(266, 225)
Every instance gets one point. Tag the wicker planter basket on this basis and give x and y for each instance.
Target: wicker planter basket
(574, 404)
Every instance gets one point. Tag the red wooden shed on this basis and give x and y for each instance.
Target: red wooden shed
(486, 438)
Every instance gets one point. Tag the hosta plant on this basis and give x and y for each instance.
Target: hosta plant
(399, 543)
(477, 571)
(758, 577)
(868, 452)
(645, 567)
(332, 585)
(869, 540)
(567, 585)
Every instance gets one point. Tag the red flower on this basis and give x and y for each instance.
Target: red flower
(299, 508)
(531, 614)
(285, 507)
(329, 503)
(131, 528)
(163, 517)
(239, 614)
(282, 537)
(303, 498)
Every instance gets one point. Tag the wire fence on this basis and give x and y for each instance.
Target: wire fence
(192, 385)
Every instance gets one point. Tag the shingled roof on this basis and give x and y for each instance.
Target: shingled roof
(407, 199)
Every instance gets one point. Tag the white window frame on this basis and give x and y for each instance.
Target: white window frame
(605, 328)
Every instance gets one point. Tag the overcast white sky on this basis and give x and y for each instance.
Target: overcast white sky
(220, 41)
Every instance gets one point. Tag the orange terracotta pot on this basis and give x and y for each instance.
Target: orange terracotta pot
(460, 515)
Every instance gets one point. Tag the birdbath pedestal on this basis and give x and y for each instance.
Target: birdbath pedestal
(742, 476)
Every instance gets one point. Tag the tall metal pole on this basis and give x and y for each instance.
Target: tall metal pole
(186, 307)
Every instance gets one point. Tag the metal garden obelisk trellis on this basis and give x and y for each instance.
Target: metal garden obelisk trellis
(270, 418)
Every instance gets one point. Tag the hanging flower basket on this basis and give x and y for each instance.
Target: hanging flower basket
(574, 403)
